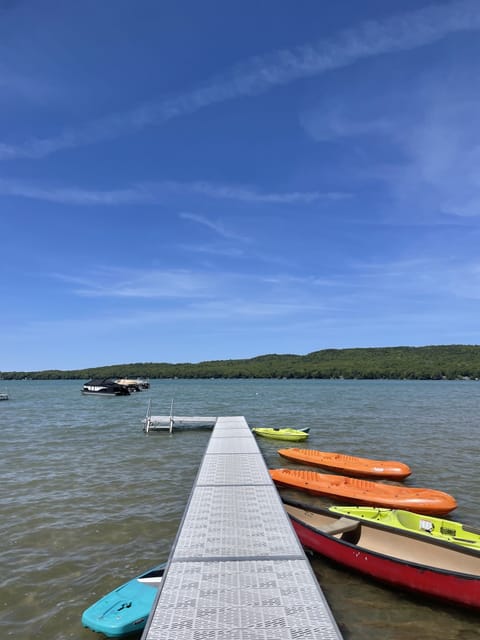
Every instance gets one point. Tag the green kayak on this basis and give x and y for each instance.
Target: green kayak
(446, 530)
(292, 435)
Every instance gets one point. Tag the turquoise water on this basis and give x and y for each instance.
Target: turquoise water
(88, 500)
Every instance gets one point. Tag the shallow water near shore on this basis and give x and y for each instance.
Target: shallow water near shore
(88, 500)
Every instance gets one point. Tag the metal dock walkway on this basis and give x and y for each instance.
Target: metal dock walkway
(237, 570)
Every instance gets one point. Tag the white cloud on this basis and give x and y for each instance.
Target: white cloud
(422, 142)
(244, 194)
(156, 193)
(217, 227)
(423, 277)
(255, 76)
(195, 287)
(19, 86)
(210, 250)
(333, 122)
(76, 195)
(444, 154)
(147, 284)
(443, 279)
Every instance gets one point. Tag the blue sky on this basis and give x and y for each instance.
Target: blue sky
(184, 181)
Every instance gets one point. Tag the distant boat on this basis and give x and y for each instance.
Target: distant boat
(3, 395)
(104, 387)
(404, 561)
(348, 465)
(365, 492)
(133, 384)
(125, 609)
(415, 523)
(292, 435)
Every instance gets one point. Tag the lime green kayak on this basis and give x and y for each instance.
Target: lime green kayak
(293, 435)
(446, 530)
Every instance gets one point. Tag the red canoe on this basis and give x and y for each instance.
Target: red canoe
(355, 491)
(422, 565)
(349, 465)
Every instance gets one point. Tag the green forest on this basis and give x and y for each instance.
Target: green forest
(450, 362)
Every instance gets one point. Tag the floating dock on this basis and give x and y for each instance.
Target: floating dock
(237, 570)
(168, 423)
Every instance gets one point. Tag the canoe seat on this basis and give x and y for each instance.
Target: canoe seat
(342, 525)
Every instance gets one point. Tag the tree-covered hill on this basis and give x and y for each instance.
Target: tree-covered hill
(415, 363)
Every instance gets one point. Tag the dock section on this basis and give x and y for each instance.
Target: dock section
(237, 570)
(168, 423)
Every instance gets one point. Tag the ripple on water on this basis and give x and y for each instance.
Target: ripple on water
(87, 500)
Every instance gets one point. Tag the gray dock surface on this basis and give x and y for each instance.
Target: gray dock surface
(237, 570)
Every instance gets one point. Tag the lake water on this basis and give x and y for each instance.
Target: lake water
(88, 500)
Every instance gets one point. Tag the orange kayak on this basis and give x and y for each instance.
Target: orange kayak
(364, 492)
(349, 465)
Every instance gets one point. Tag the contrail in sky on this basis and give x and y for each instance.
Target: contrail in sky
(258, 75)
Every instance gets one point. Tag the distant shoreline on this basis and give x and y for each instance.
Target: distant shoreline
(447, 362)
